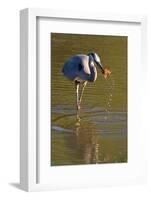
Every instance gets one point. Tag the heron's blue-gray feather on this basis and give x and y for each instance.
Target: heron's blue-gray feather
(76, 65)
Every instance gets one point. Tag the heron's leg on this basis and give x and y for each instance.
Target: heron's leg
(77, 95)
(82, 90)
(77, 84)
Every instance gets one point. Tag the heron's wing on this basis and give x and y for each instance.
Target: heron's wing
(77, 66)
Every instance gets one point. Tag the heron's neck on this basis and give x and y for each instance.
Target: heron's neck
(93, 71)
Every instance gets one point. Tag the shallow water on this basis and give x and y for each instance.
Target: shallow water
(101, 134)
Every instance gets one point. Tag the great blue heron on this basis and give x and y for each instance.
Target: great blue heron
(81, 69)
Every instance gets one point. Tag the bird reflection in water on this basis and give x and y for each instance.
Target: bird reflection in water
(85, 140)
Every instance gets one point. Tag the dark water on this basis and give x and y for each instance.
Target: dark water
(101, 135)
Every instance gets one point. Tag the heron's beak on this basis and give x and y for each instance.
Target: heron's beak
(101, 67)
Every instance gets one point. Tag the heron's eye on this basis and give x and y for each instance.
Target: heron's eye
(79, 67)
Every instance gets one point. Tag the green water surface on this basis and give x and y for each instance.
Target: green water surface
(101, 135)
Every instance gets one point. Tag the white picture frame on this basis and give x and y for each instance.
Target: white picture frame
(29, 148)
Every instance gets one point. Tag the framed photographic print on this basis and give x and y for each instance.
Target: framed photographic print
(81, 99)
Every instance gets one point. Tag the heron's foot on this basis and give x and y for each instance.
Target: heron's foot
(78, 119)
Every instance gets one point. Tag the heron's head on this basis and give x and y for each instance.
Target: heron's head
(96, 60)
